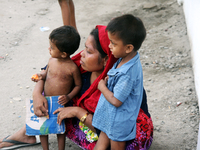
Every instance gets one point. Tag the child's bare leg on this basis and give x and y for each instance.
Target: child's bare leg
(103, 142)
(61, 141)
(116, 145)
(19, 136)
(68, 12)
(44, 142)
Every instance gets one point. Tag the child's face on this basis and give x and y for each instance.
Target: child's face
(54, 51)
(117, 46)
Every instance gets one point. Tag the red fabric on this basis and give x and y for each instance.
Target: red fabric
(90, 98)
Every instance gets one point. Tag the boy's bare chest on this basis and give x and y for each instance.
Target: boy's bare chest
(60, 72)
(58, 81)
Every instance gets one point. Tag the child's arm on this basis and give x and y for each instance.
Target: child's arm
(77, 87)
(107, 93)
(39, 76)
(77, 82)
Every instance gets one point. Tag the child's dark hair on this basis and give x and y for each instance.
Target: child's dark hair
(129, 29)
(66, 39)
(95, 34)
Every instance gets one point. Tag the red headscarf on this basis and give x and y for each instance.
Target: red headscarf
(90, 98)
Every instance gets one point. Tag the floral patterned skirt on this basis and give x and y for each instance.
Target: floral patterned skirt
(143, 140)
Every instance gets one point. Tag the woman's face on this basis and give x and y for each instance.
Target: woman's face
(90, 57)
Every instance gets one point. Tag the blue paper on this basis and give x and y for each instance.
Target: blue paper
(41, 125)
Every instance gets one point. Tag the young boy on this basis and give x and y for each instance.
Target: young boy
(122, 90)
(62, 76)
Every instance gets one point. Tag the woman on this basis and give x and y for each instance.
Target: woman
(94, 62)
(88, 101)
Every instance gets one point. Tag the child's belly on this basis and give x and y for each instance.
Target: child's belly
(53, 87)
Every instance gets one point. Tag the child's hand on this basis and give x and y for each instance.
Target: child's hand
(106, 79)
(63, 99)
(36, 77)
(102, 83)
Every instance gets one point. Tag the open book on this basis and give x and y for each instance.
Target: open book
(42, 125)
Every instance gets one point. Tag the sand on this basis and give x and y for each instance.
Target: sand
(165, 57)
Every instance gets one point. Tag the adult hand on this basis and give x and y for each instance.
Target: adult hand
(67, 112)
(40, 104)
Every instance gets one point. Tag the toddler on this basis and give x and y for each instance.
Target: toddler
(61, 76)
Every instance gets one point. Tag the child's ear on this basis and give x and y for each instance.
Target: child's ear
(64, 55)
(129, 48)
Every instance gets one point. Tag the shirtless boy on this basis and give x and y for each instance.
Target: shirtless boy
(61, 76)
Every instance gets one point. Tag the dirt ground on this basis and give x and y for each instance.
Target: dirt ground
(165, 56)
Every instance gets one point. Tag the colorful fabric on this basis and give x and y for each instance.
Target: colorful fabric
(144, 133)
(143, 140)
(89, 100)
(126, 82)
(89, 134)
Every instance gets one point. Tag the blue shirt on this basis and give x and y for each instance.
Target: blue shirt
(126, 82)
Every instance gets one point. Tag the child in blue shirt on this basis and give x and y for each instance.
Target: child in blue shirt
(122, 90)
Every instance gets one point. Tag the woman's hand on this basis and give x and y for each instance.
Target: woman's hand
(103, 83)
(40, 104)
(67, 112)
(73, 111)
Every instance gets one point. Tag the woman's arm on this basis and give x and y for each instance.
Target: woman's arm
(71, 112)
(39, 101)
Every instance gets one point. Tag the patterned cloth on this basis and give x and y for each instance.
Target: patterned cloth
(143, 140)
(91, 136)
